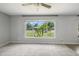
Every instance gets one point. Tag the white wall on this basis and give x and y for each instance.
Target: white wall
(4, 29)
(66, 30)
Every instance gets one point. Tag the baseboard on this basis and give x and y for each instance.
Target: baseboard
(21, 42)
(3, 44)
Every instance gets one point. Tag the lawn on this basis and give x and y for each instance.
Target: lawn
(31, 33)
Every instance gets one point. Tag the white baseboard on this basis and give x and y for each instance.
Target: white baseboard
(24, 42)
(3, 44)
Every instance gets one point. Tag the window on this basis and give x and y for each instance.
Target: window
(39, 29)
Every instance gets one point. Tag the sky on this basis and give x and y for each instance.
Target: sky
(37, 22)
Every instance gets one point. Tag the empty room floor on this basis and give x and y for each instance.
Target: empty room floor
(36, 50)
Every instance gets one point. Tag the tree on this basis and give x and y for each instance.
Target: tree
(50, 26)
(29, 26)
(36, 25)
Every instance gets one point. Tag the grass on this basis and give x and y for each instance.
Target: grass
(31, 33)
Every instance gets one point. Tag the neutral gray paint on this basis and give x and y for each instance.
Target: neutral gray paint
(66, 30)
(4, 29)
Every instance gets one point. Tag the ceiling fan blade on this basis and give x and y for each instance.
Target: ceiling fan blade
(26, 4)
(46, 5)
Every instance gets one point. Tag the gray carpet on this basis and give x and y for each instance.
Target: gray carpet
(36, 50)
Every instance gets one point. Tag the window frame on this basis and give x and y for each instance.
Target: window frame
(39, 37)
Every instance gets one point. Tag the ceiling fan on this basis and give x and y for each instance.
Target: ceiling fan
(38, 4)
